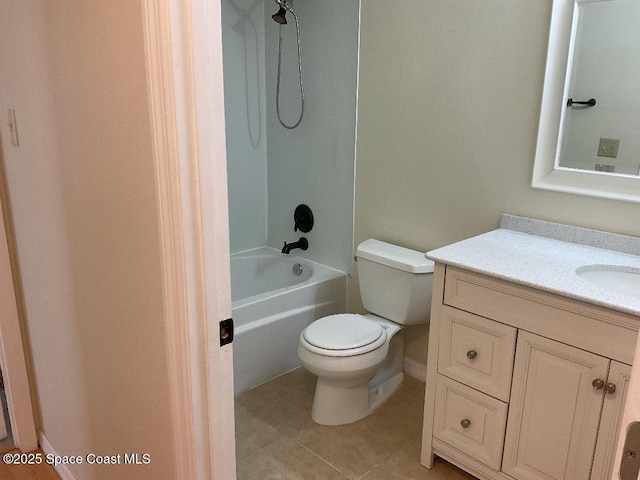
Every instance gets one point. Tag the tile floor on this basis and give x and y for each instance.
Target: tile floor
(277, 439)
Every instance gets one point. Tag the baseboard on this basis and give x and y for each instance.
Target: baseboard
(48, 449)
(415, 369)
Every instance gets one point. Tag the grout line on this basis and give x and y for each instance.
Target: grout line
(325, 461)
(413, 367)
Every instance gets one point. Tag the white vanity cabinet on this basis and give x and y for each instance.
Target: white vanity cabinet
(523, 384)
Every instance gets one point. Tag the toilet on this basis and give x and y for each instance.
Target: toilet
(359, 358)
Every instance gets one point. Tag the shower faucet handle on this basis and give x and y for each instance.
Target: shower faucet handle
(302, 218)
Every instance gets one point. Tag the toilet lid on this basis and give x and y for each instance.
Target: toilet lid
(345, 332)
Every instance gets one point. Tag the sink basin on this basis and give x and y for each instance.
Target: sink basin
(625, 280)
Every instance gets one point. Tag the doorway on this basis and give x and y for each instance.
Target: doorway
(16, 394)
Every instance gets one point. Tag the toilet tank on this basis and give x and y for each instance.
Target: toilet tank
(395, 282)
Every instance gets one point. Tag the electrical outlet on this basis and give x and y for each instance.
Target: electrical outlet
(608, 147)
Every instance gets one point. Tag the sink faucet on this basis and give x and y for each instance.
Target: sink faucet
(302, 244)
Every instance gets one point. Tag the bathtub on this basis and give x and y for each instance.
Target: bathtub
(271, 307)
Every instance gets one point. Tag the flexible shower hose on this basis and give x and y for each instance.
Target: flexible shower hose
(290, 127)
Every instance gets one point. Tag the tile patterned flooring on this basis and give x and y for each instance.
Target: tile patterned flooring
(277, 439)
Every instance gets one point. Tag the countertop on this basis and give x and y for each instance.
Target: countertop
(549, 264)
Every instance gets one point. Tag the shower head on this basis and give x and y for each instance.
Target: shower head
(280, 17)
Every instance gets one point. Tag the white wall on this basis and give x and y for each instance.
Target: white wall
(606, 68)
(448, 110)
(314, 164)
(243, 25)
(82, 192)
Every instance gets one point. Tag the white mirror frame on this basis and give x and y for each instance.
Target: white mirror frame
(547, 173)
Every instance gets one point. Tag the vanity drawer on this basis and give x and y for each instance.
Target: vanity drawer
(589, 327)
(470, 421)
(477, 352)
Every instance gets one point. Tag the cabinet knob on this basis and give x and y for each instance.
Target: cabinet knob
(471, 354)
(610, 388)
(598, 384)
(465, 422)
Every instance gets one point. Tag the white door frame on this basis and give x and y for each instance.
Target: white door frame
(183, 43)
(12, 357)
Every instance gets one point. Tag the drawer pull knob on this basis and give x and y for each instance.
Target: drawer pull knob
(598, 384)
(465, 423)
(471, 354)
(610, 388)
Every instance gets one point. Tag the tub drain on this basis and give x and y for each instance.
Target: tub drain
(297, 269)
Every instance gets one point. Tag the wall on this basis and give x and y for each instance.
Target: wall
(82, 191)
(605, 67)
(448, 108)
(243, 27)
(314, 164)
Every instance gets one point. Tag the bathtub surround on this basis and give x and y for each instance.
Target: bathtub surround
(243, 32)
(448, 106)
(271, 169)
(314, 164)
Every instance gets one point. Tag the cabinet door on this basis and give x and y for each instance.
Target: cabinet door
(610, 423)
(554, 410)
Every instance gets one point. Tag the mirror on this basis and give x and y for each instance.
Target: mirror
(591, 148)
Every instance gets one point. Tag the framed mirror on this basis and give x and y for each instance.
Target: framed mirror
(589, 132)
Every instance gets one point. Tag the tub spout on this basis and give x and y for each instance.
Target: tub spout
(302, 244)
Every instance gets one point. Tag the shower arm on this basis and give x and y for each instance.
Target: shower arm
(283, 4)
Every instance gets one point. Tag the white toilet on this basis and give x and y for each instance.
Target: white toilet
(359, 358)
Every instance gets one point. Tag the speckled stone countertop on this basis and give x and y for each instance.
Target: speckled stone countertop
(545, 256)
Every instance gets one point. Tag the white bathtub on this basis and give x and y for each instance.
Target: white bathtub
(271, 307)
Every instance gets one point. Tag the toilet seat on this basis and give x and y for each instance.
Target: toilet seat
(343, 335)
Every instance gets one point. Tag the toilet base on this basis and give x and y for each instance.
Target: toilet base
(338, 402)
(378, 395)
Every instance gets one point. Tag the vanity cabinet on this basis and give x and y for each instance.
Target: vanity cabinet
(523, 384)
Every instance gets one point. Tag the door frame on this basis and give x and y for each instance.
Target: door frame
(12, 356)
(183, 45)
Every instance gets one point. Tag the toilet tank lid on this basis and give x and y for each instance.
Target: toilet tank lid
(394, 256)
